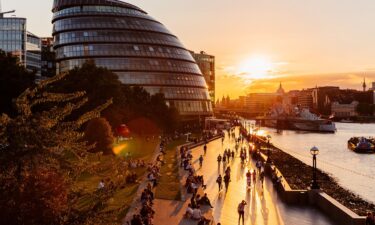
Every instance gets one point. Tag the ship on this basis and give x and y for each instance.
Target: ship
(307, 121)
(361, 144)
(302, 120)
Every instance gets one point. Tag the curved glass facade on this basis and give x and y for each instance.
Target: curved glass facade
(139, 49)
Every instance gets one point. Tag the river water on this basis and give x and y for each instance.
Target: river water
(354, 171)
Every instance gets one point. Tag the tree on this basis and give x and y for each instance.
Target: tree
(98, 83)
(129, 103)
(365, 109)
(14, 79)
(98, 132)
(42, 156)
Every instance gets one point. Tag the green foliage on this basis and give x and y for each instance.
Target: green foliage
(129, 103)
(365, 109)
(14, 79)
(98, 132)
(42, 156)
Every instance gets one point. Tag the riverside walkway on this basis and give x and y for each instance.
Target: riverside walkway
(263, 205)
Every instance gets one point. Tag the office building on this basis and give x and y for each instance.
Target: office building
(206, 64)
(33, 53)
(305, 99)
(48, 58)
(15, 39)
(129, 42)
(260, 103)
(344, 110)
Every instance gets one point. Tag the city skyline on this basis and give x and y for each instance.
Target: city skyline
(275, 42)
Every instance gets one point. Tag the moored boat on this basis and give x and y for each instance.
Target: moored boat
(361, 145)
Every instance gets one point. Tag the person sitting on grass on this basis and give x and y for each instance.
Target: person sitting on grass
(101, 185)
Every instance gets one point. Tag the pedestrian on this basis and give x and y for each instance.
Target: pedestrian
(219, 181)
(261, 177)
(200, 161)
(241, 212)
(226, 180)
(224, 158)
(248, 179)
(227, 171)
(219, 159)
(205, 148)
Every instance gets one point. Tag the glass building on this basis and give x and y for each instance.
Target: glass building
(206, 64)
(129, 42)
(33, 53)
(15, 39)
(13, 36)
(48, 58)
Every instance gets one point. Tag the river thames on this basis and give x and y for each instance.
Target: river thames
(354, 171)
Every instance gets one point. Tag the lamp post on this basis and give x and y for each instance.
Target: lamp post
(268, 149)
(314, 152)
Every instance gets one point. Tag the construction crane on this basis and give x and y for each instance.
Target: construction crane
(3, 13)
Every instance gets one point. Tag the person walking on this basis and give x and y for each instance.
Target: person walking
(219, 159)
(241, 212)
(261, 177)
(200, 161)
(205, 148)
(219, 181)
(248, 179)
(226, 181)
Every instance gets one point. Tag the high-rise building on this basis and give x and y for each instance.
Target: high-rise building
(15, 39)
(13, 36)
(206, 64)
(305, 99)
(33, 53)
(48, 58)
(129, 42)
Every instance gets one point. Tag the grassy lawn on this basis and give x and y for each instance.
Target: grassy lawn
(136, 149)
(169, 183)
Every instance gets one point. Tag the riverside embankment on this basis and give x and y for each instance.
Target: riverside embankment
(298, 175)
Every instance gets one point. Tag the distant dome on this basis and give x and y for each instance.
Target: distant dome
(127, 41)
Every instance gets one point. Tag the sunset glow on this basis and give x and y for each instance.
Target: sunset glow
(256, 67)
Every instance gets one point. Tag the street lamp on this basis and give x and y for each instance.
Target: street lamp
(268, 149)
(314, 152)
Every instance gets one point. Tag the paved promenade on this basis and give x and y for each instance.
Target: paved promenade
(263, 205)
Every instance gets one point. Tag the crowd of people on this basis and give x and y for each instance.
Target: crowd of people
(146, 212)
(192, 184)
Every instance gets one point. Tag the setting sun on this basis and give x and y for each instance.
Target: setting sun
(256, 67)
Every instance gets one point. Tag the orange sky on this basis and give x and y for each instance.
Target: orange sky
(306, 43)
